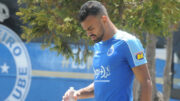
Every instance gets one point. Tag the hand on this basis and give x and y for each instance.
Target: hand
(68, 94)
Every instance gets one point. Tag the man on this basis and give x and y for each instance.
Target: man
(118, 57)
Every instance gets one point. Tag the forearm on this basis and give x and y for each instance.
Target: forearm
(146, 91)
(87, 92)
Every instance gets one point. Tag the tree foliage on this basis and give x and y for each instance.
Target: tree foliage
(56, 20)
(150, 16)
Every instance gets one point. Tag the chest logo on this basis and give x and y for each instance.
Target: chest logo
(110, 51)
(103, 72)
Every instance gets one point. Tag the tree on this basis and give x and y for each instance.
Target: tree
(167, 70)
(167, 84)
(55, 21)
(169, 48)
(153, 18)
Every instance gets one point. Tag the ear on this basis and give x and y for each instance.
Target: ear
(104, 18)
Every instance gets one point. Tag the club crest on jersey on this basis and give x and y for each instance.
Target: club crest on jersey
(140, 56)
(110, 51)
(17, 65)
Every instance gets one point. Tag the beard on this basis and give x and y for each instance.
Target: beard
(101, 36)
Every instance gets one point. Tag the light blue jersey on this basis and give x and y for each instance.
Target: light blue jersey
(113, 62)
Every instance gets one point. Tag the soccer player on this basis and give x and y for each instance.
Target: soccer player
(118, 58)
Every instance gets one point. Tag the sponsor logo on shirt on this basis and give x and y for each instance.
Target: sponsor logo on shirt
(140, 56)
(102, 73)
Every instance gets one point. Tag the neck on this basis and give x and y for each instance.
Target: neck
(109, 31)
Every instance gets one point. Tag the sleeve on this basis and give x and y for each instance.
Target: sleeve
(134, 53)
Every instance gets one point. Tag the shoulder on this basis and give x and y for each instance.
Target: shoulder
(125, 36)
(127, 39)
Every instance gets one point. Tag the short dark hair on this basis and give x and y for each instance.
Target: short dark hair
(91, 8)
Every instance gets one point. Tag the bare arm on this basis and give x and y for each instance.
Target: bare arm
(87, 92)
(143, 76)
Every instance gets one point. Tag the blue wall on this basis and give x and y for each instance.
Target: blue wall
(51, 88)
